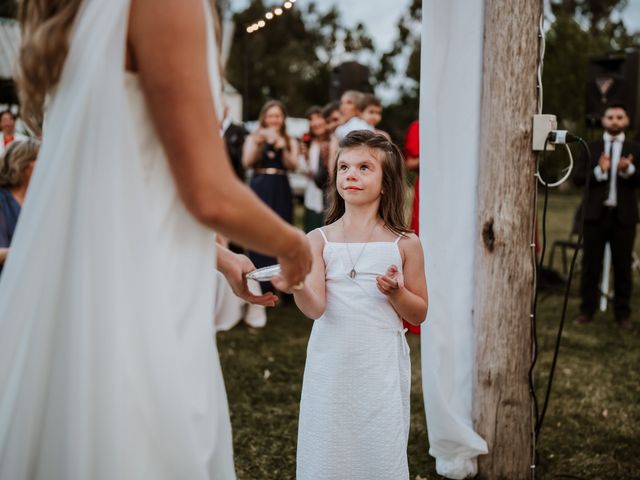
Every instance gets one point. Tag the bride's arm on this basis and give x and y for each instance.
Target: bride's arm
(168, 47)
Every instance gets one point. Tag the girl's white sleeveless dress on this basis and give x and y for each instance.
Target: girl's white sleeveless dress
(354, 411)
(108, 366)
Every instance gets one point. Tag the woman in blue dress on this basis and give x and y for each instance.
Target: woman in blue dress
(271, 153)
(16, 166)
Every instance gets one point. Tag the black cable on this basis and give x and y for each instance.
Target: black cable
(534, 307)
(563, 316)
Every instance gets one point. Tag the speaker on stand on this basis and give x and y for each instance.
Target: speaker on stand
(613, 78)
(349, 76)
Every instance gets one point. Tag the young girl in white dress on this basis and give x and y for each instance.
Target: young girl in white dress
(367, 274)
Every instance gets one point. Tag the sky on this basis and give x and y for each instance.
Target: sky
(631, 15)
(369, 12)
(381, 17)
(372, 14)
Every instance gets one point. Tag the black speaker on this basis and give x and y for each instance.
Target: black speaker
(614, 78)
(349, 76)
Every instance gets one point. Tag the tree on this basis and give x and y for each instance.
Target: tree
(8, 9)
(502, 403)
(289, 59)
(581, 29)
(399, 114)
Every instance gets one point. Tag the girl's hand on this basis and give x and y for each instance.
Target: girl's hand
(236, 273)
(391, 281)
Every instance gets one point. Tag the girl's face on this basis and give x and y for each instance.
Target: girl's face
(348, 108)
(359, 176)
(274, 118)
(317, 125)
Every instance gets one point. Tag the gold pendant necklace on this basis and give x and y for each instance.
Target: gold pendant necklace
(353, 272)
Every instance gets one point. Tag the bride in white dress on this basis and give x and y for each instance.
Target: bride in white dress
(107, 365)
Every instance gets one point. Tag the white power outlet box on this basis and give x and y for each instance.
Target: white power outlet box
(542, 125)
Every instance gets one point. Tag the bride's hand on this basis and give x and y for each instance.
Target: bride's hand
(294, 266)
(235, 273)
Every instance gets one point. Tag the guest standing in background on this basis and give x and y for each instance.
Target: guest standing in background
(611, 214)
(316, 154)
(16, 166)
(412, 164)
(8, 127)
(234, 136)
(372, 113)
(332, 115)
(351, 106)
(271, 153)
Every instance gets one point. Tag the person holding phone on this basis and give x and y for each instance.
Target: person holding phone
(271, 153)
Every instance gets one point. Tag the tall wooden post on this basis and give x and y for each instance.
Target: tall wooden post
(503, 269)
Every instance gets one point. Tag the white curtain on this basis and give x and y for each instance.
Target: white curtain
(452, 36)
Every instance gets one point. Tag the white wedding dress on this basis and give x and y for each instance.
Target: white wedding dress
(354, 407)
(108, 368)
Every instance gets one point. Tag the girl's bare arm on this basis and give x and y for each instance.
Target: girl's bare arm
(410, 299)
(312, 299)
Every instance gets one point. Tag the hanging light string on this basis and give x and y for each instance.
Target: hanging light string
(270, 15)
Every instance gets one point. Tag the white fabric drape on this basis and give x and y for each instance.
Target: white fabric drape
(107, 365)
(449, 149)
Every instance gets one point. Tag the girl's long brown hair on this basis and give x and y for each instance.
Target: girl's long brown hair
(394, 183)
(45, 27)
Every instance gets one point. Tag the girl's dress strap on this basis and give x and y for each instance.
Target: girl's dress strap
(398, 239)
(323, 235)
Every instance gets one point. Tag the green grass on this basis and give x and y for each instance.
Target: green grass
(592, 428)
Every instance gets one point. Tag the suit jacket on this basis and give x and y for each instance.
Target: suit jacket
(627, 210)
(234, 137)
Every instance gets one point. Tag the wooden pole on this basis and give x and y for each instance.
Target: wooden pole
(503, 269)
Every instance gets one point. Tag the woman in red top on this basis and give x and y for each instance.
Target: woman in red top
(412, 162)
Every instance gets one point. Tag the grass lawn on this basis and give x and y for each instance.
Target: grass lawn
(592, 428)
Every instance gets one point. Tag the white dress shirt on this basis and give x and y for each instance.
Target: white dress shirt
(613, 148)
(354, 123)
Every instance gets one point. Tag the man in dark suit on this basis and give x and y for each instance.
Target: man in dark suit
(611, 214)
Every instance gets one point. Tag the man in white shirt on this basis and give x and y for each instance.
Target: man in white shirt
(351, 105)
(611, 214)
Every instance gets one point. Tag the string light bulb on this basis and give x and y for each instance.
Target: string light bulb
(270, 15)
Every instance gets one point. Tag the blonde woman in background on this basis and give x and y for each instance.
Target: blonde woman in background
(16, 167)
(271, 153)
(110, 371)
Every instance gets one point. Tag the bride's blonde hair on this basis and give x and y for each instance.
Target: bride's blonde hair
(45, 27)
